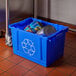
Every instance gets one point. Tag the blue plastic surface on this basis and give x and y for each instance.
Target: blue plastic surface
(39, 49)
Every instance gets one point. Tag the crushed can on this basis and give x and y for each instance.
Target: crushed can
(47, 30)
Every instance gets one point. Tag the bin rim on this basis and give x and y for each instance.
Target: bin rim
(65, 29)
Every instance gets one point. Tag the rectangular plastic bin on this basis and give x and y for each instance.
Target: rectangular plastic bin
(39, 49)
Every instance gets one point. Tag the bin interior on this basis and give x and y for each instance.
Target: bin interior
(22, 24)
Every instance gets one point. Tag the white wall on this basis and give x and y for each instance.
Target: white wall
(62, 10)
(2, 4)
(20, 5)
(42, 8)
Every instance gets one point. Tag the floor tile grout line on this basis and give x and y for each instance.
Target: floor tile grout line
(10, 68)
(4, 58)
(5, 72)
(34, 67)
(1, 70)
(25, 68)
(21, 66)
(29, 69)
(61, 71)
(73, 72)
(70, 47)
(70, 64)
(25, 73)
(13, 62)
(69, 41)
(35, 72)
(23, 60)
(51, 71)
(6, 47)
(8, 56)
(64, 63)
(12, 55)
(18, 63)
(69, 55)
(15, 65)
(66, 59)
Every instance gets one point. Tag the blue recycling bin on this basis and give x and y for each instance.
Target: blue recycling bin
(37, 48)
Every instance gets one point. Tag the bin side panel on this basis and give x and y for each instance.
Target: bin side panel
(60, 40)
(50, 52)
(29, 44)
(14, 39)
(55, 48)
(44, 49)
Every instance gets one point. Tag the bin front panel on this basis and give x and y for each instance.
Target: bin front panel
(29, 45)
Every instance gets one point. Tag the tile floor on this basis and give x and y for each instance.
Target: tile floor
(13, 65)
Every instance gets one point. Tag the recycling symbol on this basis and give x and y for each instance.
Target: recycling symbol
(28, 47)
